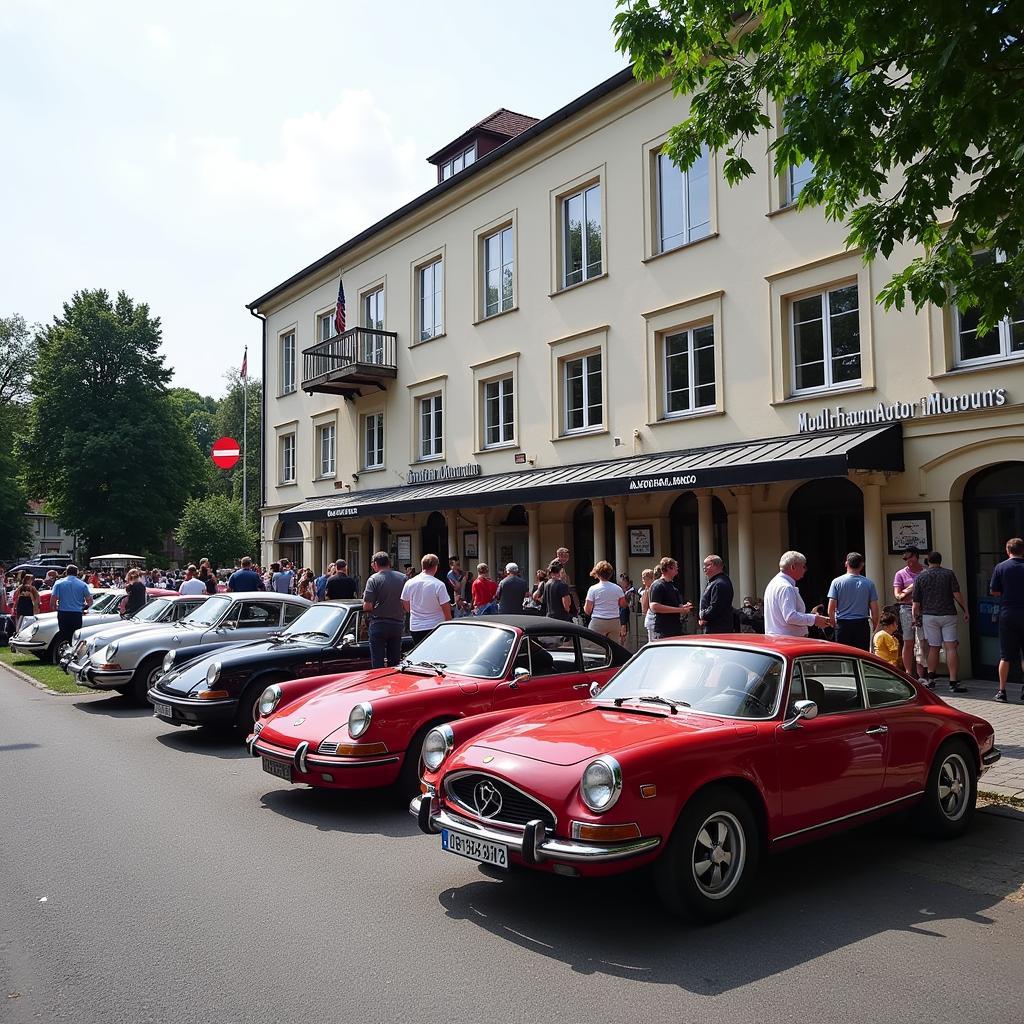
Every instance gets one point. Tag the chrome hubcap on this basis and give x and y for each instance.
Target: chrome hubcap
(954, 786)
(719, 853)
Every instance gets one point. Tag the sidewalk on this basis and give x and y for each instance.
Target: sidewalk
(1006, 778)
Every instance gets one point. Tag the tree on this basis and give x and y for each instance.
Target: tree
(906, 109)
(214, 527)
(229, 424)
(105, 443)
(198, 412)
(15, 530)
(17, 359)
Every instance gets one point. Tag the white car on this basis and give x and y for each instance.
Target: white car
(41, 638)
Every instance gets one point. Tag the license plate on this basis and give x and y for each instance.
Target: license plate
(475, 849)
(275, 768)
(163, 710)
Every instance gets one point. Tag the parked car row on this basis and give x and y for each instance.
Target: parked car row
(529, 742)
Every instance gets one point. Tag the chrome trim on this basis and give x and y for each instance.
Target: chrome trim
(846, 817)
(472, 810)
(616, 769)
(368, 712)
(300, 757)
(375, 762)
(449, 742)
(989, 759)
(189, 702)
(876, 730)
(550, 848)
(307, 760)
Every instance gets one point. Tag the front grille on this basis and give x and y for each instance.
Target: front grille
(516, 807)
(328, 747)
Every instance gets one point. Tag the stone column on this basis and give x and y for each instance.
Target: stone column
(705, 525)
(451, 517)
(330, 545)
(597, 504)
(482, 536)
(533, 543)
(621, 537)
(744, 577)
(874, 535)
(376, 535)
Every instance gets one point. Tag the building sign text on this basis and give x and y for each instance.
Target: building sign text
(936, 404)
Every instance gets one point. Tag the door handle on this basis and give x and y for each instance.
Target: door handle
(876, 730)
(581, 686)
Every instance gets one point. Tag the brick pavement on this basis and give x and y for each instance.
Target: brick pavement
(1005, 779)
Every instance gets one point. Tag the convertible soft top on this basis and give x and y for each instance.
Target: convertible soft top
(542, 624)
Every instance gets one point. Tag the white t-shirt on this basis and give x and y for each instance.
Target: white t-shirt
(426, 595)
(606, 596)
(192, 586)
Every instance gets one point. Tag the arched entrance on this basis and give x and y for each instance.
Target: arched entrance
(512, 543)
(993, 513)
(581, 557)
(684, 538)
(289, 543)
(434, 538)
(826, 522)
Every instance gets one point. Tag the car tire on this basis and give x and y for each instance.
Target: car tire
(145, 677)
(407, 785)
(247, 715)
(950, 792)
(711, 857)
(56, 650)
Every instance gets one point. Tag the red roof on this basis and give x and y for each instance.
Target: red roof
(506, 122)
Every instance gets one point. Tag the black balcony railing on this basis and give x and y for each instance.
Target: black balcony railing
(344, 365)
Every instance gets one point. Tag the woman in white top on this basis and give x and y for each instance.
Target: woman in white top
(604, 599)
(647, 581)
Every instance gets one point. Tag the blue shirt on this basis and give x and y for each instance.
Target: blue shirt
(1008, 582)
(853, 594)
(244, 580)
(70, 593)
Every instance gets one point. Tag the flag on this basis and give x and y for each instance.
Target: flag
(245, 364)
(339, 313)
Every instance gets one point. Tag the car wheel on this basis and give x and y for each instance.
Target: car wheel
(711, 857)
(947, 807)
(145, 677)
(408, 784)
(248, 713)
(57, 650)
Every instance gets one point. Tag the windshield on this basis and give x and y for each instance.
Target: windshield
(106, 602)
(319, 624)
(470, 650)
(209, 612)
(713, 680)
(153, 611)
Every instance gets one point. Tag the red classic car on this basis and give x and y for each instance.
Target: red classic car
(355, 731)
(699, 755)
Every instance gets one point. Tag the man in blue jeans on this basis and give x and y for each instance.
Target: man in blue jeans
(382, 601)
(71, 596)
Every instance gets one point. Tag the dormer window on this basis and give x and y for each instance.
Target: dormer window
(459, 162)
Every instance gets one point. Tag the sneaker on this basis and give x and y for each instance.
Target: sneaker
(925, 681)
(955, 687)
(1001, 695)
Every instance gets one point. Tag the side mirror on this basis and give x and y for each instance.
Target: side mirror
(521, 675)
(801, 709)
(348, 638)
(595, 688)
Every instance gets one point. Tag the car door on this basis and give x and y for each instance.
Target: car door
(352, 657)
(556, 673)
(252, 619)
(831, 766)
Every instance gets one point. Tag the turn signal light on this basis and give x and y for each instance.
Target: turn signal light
(360, 749)
(212, 694)
(110, 668)
(605, 833)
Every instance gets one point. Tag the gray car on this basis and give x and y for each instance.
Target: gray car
(131, 664)
(42, 639)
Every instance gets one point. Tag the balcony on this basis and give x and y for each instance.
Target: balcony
(361, 357)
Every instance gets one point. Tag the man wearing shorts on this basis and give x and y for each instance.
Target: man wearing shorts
(1008, 585)
(936, 595)
(903, 591)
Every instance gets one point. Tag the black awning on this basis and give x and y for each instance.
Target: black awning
(769, 460)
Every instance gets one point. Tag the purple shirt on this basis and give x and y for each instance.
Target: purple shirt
(905, 578)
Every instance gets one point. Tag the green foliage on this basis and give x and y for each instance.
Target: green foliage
(228, 423)
(105, 442)
(214, 527)
(910, 112)
(17, 358)
(15, 527)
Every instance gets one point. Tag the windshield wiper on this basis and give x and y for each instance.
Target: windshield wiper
(653, 698)
(307, 632)
(437, 666)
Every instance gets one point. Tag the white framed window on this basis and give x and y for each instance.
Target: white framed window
(373, 309)
(459, 162)
(797, 175)
(325, 448)
(1004, 341)
(431, 300)
(287, 363)
(689, 370)
(583, 392)
(825, 330)
(287, 448)
(582, 246)
(325, 326)
(499, 263)
(430, 419)
(684, 202)
(373, 440)
(499, 412)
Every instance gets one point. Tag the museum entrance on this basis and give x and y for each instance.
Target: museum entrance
(684, 545)
(993, 513)
(434, 541)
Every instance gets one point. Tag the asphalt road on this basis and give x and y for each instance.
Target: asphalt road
(158, 875)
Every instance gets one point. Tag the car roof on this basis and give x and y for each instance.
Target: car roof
(529, 624)
(263, 595)
(788, 646)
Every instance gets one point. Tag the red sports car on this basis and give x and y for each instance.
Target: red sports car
(699, 755)
(357, 730)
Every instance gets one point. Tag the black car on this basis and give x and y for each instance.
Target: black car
(223, 687)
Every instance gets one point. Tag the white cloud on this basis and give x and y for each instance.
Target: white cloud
(160, 39)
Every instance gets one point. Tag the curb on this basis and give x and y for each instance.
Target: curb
(25, 677)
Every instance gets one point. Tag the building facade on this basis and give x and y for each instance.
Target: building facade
(568, 341)
(48, 536)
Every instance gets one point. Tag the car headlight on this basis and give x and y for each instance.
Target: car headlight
(111, 652)
(33, 629)
(437, 745)
(359, 719)
(213, 673)
(601, 784)
(168, 662)
(270, 699)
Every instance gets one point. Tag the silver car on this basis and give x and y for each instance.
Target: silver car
(41, 637)
(131, 664)
(159, 611)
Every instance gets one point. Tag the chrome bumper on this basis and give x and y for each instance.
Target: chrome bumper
(989, 759)
(534, 844)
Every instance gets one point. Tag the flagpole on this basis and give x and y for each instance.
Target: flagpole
(245, 437)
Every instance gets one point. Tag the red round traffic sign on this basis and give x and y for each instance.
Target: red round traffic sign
(225, 452)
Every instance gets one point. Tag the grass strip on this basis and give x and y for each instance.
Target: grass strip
(49, 675)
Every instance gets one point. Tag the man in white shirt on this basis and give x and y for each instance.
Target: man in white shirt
(190, 584)
(784, 611)
(426, 600)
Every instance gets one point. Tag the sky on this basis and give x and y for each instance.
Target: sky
(194, 155)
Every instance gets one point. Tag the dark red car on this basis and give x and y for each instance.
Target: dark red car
(699, 755)
(357, 730)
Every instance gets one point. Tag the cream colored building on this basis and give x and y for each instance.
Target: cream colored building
(583, 345)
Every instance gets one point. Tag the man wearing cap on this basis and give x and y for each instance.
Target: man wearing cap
(511, 591)
(903, 591)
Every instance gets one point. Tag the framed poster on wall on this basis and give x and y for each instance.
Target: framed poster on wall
(641, 540)
(470, 544)
(404, 541)
(909, 530)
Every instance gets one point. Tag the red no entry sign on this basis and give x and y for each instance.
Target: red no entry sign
(225, 452)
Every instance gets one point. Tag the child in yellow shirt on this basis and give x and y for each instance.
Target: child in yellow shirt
(885, 644)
